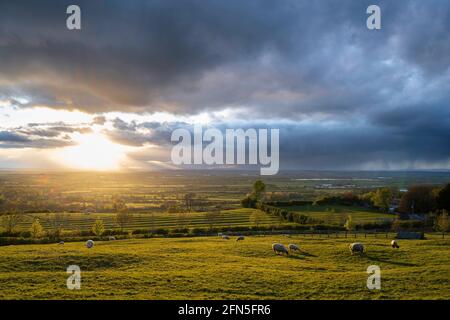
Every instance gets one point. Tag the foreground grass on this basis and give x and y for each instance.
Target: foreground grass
(212, 268)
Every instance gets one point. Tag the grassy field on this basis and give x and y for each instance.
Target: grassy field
(83, 221)
(338, 213)
(212, 268)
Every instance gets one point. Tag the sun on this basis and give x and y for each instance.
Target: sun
(92, 152)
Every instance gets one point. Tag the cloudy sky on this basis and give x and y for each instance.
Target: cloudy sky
(108, 96)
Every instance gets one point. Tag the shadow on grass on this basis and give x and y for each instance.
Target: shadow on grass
(296, 256)
(405, 264)
(306, 254)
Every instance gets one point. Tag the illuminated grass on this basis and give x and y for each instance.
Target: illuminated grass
(199, 268)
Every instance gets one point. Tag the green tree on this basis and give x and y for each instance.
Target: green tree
(443, 198)
(349, 225)
(98, 228)
(189, 200)
(259, 188)
(122, 218)
(212, 217)
(396, 224)
(10, 221)
(256, 218)
(382, 198)
(442, 222)
(57, 222)
(418, 199)
(248, 202)
(36, 229)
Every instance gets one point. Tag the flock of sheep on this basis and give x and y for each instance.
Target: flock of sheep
(90, 243)
(278, 248)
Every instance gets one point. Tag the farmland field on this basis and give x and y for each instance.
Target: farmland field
(212, 268)
(161, 251)
(335, 213)
(83, 221)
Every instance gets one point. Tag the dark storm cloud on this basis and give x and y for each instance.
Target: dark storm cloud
(6, 136)
(40, 135)
(300, 57)
(9, 140)
(139, 134)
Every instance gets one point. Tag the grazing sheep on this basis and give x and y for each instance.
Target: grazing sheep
(61, 242)
(225, 237)
(220, 234)
(357, 247)
(394, 244)
(240, 238)
(287, 235)
(111, 238)
(293, 247)
(89, 244)
(279, 248)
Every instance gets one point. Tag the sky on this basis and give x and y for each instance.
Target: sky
(109, 95)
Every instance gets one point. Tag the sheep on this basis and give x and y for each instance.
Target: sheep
(279, 248)
(111, 238)
(357, 247)
(61, 243)
(220, 234)
(89, 244)
(240, 238)
(293, 247)
(394, 244)
(225, 237)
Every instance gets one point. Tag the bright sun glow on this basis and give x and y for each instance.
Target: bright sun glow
(92, 152)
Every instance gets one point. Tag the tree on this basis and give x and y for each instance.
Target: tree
(349, 225)
(10, 221)
(98, 228)
(396, 224)
(256, 218)
(182, 219)
(418, 199)
(57, 222)
(212, 216)
(36, 229)
(122, 218)
(259, 189)
(443, 198)
(442, 222)
(189, 200)
(118, 205)
(248, 202)
(382, 198)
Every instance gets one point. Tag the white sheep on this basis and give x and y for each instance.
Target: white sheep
(240, 238)
(279, 248)
(357, 247)
(89, 244)
(225, 237)
(394, 244)
(293, 247)
(61, 243)
(111, 238)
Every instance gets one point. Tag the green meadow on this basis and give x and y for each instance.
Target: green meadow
(212, 268)
(338, 213)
